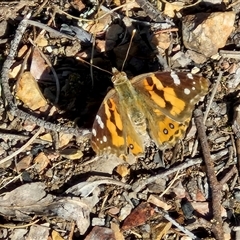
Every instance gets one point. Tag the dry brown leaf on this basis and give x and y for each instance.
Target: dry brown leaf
(161, 229)
(71, 153)
(22, 51)
(171, 8)
(100, 25)
(101, 45)
(39, 69)
(56, 235)
(42, 41)
(130, 4)
(29, 125)
(100, 233)
(24, 163)
(41, 162)
(46, 137)
(156, 201)
(114, 210)
(118, 234)
(14, 72)
(64, 139)
(27, 90)
(162, 40)
(123, 170)
(204, 208)
(138, 216)
(78, 5)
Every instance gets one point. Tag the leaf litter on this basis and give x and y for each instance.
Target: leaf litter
(53, 187)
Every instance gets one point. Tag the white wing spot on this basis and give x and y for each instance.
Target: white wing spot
(101, 142)
(187, 91)
(193, 88)
(193, 82)
(94, 132)
(99, 121)
(190, 76)
(104, 139)
(175, 78)
(98, 139)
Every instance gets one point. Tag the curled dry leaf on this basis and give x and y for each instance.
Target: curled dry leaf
(84, 189)
(71, 153)
(32, 198)
(22, 51)
(27, 90)
(73, 210)
(24, 200)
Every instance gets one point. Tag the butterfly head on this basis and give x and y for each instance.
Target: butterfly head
(118, 77)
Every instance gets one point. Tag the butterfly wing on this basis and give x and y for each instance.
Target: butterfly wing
(175, 95)
(112, 135)
(169, 100)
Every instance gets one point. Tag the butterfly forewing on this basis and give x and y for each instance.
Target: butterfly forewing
(174, 94)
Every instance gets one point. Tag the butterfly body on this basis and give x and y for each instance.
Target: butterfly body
(155, 106)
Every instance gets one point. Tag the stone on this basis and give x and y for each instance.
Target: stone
(205, 33)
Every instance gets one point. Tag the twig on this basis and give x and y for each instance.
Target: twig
(176, 224)
(152, 12)
(49, 29)
(11, 136)
(16, 177)
(208, 108)
(19, 226)
(171, 183)
(31, 140)
(188, 163)
(229, 175)
(9, 97)
(213, 182)
(52, 69)
(236, 130)
(70, 236)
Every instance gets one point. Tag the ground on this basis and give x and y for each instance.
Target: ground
(57, 181)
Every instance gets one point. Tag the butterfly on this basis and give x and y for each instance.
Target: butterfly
(152, 106)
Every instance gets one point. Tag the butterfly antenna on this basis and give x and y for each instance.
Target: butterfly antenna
(96, 21)
(92, 65)
(129, 46)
